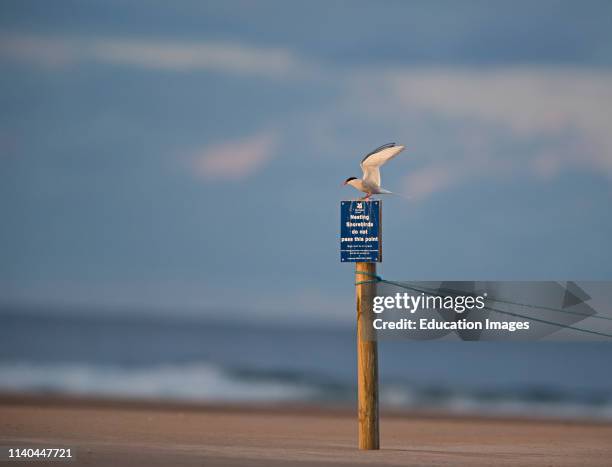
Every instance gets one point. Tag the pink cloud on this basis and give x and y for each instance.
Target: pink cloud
(235, 160)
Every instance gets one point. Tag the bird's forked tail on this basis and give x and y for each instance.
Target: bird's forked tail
(387, 192)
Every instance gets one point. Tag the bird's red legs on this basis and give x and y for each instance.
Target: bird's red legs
(366, 197)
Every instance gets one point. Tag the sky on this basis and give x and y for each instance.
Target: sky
(188, 157)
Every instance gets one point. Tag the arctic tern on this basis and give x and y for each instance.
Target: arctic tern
(371, 163)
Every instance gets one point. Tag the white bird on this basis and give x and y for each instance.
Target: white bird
(370, 183)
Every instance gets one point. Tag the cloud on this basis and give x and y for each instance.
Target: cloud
(182, 56)
(160, 54)
(527, 100)
(47, 52)
(558, 118)
(235, 160)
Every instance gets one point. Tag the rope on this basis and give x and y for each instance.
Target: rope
(377, 279)
(508, 302)
(369, 274)
(567, 326)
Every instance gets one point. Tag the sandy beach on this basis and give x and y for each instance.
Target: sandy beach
(123, 433)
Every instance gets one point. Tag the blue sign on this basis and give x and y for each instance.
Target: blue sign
(360, 232)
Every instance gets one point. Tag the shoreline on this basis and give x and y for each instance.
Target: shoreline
(315, 409)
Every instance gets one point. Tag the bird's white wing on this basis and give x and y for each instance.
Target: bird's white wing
(372, 162)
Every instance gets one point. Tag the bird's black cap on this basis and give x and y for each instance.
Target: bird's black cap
(349, 179)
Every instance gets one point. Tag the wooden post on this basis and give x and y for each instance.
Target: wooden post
(367, 359)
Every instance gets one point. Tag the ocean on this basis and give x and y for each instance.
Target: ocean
(190, 359)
